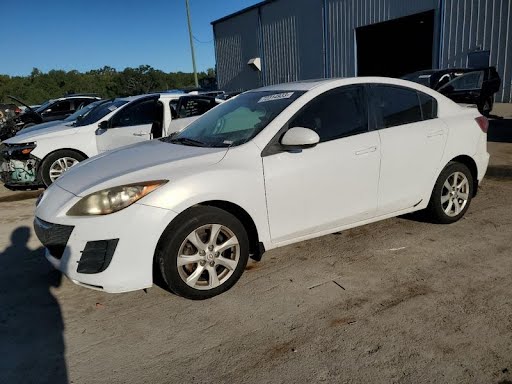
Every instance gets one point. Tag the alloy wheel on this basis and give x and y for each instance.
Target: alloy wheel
(60, 166)
(455, 194)
(208, 256)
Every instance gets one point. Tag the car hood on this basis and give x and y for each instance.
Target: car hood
(152, 160)
(48, 124)
(42, 133)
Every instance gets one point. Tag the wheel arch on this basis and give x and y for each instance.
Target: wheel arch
(471, 164)
(256, 247)
(41, 162)
(62, 149)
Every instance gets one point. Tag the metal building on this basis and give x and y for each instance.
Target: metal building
(286, 40)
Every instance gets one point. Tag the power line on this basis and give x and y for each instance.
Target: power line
(202, 42)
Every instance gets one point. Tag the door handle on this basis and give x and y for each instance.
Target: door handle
(366, 150)
(141, 134)
(439, 132)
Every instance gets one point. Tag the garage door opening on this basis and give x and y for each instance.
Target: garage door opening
(397, 47)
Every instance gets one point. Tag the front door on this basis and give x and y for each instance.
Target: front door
(465, 89)
(335, 182)
(132, 124)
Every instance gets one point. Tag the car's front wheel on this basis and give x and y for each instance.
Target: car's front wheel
(57, 163)
(203, 253)
(452, 194)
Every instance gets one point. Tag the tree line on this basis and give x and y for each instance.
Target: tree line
(106, 82)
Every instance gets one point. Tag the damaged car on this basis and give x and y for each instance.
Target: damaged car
(55, 109)
(37, 158)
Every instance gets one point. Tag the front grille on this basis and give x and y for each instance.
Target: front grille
(53, 236)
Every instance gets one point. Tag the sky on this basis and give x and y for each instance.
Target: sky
(89, 34)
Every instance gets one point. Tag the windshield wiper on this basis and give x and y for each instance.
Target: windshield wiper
(188, 141)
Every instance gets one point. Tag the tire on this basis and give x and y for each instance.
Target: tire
(50, 166)
(204, 263)
(447, 206)
(486, 107)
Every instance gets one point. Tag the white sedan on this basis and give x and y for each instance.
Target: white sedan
(272, 167)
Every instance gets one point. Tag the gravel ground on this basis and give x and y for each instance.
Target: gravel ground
(396, 301)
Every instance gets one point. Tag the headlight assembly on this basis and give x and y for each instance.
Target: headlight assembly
(113, 199)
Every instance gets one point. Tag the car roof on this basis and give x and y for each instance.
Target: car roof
(303, 85)
(78, 97)
(164, 95)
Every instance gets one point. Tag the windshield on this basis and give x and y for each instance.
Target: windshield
(43, 106)
(82, 112)
(100, 112)
(237, 121)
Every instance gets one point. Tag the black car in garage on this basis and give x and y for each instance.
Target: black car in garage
(462, 85)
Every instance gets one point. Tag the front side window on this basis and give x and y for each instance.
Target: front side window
(236, 121)
(472, 80)
(335, 114)
(396, 105)
(140, 113)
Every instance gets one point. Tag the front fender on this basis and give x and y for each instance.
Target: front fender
(242, 188)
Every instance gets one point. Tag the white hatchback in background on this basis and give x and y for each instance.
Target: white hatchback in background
(272, 167)
(42, 155)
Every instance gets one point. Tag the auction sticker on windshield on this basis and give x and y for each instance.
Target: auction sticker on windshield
(277, 96)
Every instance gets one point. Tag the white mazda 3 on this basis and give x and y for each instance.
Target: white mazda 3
(271, 167)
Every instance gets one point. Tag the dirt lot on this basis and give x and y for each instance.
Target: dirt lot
(397, 301)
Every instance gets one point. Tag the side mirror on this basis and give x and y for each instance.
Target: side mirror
(102, 128)
(299, 137)
(103, 124)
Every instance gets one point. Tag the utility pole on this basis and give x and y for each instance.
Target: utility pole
(191, 44)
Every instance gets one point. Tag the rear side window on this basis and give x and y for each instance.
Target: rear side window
(428, 106)
(335, 114)
(397, 105)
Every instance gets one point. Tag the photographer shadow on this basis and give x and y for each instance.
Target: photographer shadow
(31, 325)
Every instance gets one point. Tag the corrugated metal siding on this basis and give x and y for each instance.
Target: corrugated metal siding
(343, 16)
(292, 40)
(316, 38)
(236, 42)
(471, 25)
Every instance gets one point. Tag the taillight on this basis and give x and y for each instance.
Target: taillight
(483, 123)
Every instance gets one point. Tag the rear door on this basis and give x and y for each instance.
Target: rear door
(130, 125)
(335, 182)
(412, 144)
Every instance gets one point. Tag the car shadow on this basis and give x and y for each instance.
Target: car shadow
(500, 130)
(31, 326)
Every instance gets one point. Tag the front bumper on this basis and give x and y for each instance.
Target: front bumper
(127, 238)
